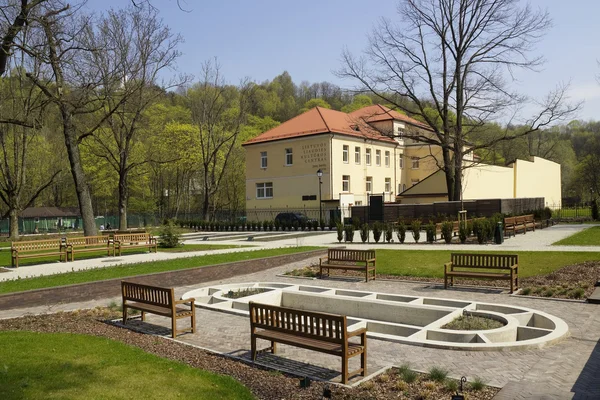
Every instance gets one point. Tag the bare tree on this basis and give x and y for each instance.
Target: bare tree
(137, 48)
(450, 58)
(219, 112)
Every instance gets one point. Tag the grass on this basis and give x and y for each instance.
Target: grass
(243, 293)
(126, 270)
(574, 212)
(587, 237)
(69, 366)
(431, 263)
(472, 323)
(5, 257)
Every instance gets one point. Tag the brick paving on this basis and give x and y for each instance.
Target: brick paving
(569, 369)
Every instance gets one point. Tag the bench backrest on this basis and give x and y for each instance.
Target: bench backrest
(157, 296)
(350, 255)
(315, 325)
(132, 237)
(89, 241)
(37, 245)
(509, 221)
(484, 260)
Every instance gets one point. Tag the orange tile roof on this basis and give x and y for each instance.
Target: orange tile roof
(323, 120)
(378, 112)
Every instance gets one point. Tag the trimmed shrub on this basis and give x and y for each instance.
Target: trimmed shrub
(364, 232)
(415, 226)
(447, 231)
(277, 224)
(295, 225)
(389, 232)
(322, 223)
(377, 231)
(332, 224)
(169, 237)
(463, 231)
(349, 233)
(430, 232)
(340, 231)
(401, 231)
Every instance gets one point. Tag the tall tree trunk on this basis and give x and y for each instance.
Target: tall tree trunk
(123, 197)
(81, 188)
(14, 224)
(458, 172)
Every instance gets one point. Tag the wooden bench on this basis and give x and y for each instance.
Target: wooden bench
(133, 240)
(509, 263)
(528, 221)
(157, 300)
(37, 249)
(325, 333)
(89, 244)
(360, 260)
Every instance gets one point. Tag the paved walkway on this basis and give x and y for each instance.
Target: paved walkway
(540, 240)
(569, 369)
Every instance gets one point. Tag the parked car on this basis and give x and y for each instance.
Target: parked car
(289, 218)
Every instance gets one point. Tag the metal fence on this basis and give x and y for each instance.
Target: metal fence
(574, 212)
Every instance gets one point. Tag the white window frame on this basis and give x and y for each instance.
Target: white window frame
(401, 161)
(415, 162)
(346, 182)
(264, 187)
(345, 154)
(378, 158)
(388, 185)
(414, 181)
(289, 157)
(386, 158)
(401, 132)
(357, 155)
(263, 159)
(369, 184)
(368, 156)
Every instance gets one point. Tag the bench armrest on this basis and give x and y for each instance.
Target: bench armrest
(371, 260)
(357, 332)
(323, 259)
(183, 301)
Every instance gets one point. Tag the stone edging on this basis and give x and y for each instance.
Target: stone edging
(112, 287)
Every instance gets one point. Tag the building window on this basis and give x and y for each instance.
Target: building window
(289, 157)
(388, 185)
(415, 162)
(368, 156)
(400, 132)
(345, 183)
(264, 190)
(414, 181)
(358, 203)
(263, 159)
(378, 157)
(401, 161)
(357, 155)
(400, 188)
(387, 159)
(403, 187)
(369, 184)
(345, 151)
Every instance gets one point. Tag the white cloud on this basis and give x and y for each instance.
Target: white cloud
(585, 91)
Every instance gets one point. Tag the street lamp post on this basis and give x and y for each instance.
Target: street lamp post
(320, 175)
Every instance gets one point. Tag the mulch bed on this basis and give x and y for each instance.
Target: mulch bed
(262, 383)
(582, 275)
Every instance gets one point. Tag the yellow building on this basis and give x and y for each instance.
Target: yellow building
(358, 153)
(369, 151)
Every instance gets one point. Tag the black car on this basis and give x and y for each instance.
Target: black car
(289, 218)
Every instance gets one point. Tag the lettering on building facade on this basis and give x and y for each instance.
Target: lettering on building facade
(315, 154)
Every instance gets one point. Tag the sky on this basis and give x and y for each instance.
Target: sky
(259, 39)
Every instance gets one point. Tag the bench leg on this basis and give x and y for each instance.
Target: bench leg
(193, 320)
(445, 280)
(124, 315)
(273, 347)
(253, 348)
(363, 356)
(143, 316)
(174, 327)
(344, 369)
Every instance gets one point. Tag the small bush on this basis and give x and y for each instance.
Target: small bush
(169, 237)
(332, 224)
(389, 232)
(577, 293)
(364, 232)
(415, 226)
(401, 386)
(526, 291)
(430, 232)
(302, 224)
(463, 232)
(356, 223)
(368, 385)
(277, 224)
(409, 376)
(340, 231)
(437, 374)
(447, 231)
(349, 231)
(377, 231)
(548, 293)
(477, 384)
(383, 378)
(296, 225)
(452, 385)
(322, 223)
(403, 368)
(401, 231)
(316, 225)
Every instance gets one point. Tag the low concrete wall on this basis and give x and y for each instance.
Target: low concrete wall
(112, 287)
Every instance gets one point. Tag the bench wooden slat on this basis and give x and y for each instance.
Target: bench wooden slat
(461, 263)
(157, 300)
(349, 259)
(326, 333)
(37, 249)
(134, 240)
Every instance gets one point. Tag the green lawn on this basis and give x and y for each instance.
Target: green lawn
(572, 212)
(431, 263)
(587, 237)
(70, 366)
(5, 257)
(126, 270)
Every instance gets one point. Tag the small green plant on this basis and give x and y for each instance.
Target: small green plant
(364, 232)
(577, 293)
(168, 236)
(302, 225)
(277, 224)
(452, 385)
(322, 223)
(401, 386)
(368, 385)
(332, 224)
(356, 223)
(409, 376)
(463, 232)
(401, 231)
(383, 378)
(403, 368)
(526, 291)
(430, 232)
(389, 232)
(477, 384)
(447, 231)
(377, 231)
(349, 233)
(437, 374)
(315, 225)
(415, 226)
(548, 293)
(243, 293)
(340, 231)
